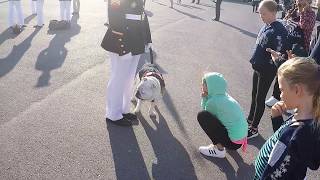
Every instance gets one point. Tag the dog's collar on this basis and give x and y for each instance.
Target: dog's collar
(158, 76)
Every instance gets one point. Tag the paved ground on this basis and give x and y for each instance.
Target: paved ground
(52, 94)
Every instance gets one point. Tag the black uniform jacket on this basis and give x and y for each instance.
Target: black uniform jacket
(126, 35)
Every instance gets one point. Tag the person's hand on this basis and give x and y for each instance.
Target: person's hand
(278, 109)
(274, 54)
(290, 54)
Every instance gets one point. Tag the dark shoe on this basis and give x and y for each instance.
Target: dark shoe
(121, 122)
(215, 19)
(252, 132)
(130, 116)
(37, 26)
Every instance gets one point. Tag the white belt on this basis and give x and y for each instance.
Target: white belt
(134, 17)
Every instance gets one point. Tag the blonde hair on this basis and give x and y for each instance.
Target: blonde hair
(271, 5)
(304, 70)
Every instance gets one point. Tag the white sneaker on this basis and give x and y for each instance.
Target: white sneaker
(213, 151)
(271, 101)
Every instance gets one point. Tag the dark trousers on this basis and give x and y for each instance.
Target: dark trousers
(218, 4)
(261, 83)
(215, 130)
(276, 91)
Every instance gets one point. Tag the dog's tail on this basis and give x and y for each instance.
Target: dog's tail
(151, 55)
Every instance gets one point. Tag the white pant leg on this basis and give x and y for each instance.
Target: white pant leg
(67, 10)
(129, 89)
(19, 13)
(33, 7)
(62, 8)
(40, 12)
(11, 13)
(120, 66)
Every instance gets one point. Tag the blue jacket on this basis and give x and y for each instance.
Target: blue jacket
(272, 36)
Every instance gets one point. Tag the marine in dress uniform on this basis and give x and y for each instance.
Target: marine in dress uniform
(126, 39)
(39, 11)
(65, 6)
(33, 6)
(15, 6)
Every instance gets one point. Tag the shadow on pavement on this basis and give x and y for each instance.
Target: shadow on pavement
(127, 156)
(190, 7)
(17, 52)
(6, 35)
(172, 160)
(29, 18)
(189, 15)
(257, 141)
(206, 5)
(244, 171)
(250, 34)
(54, 56)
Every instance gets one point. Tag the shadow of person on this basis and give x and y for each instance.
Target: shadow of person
(127, 156)
(190, 15)
(248, 33)
(17, 52)
(257, 141)
(29, 18)
(245, 171)
(6, 35)
(54, 56)
(172, 160)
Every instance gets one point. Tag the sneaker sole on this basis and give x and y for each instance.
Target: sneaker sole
(255, 135)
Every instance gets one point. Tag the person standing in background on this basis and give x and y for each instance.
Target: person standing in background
(217, 17)
(65, 6)
(76, 7)
(39, 11)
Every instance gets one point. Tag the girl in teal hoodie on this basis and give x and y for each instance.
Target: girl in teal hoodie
(221, 117)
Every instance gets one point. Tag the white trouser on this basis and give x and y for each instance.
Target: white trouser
(15, 6)
(76, 5)
(120, 87)
(40, 12)
(33, 7)
(65, 10)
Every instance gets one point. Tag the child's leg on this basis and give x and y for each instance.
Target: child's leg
(216, 131)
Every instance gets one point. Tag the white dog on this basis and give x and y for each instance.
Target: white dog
(150, 88)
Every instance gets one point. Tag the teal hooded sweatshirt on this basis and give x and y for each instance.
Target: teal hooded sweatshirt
(224, 107)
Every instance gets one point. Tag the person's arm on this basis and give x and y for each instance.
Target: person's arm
(276, 115)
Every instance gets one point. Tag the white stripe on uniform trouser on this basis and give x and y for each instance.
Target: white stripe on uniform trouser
(65, 10)
(15, 6)
(40, 12)
(120, 86)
